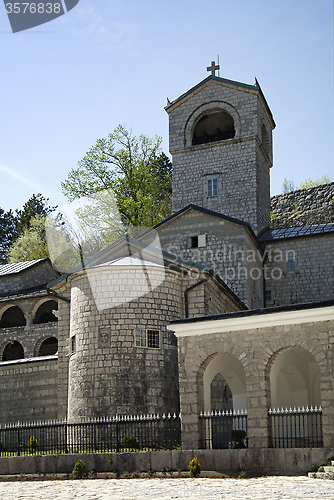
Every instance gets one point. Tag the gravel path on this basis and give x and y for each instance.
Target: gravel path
(232, 489)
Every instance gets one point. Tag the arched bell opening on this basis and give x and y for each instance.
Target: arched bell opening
(212, 127)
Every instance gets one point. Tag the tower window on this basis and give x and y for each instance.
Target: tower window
(148, 338)
(212, 187)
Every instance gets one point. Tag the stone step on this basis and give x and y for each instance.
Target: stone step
(329, 468)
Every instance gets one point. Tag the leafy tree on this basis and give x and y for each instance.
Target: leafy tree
(134, 168)
(288, 186)
(317, 182)
(31, 244)
(7, 233)
(37, 205)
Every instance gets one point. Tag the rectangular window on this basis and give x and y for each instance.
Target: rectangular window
(148, 338)
(290, 265)
(70, 347)
(198, 241)
(268, 294)
(212, 187)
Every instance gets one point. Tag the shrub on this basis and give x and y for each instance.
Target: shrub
(79, 470)
(194, 467)
(130, 442)
(33, 443)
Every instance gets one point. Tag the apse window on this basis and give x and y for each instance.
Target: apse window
(148, 338)
(212, 187)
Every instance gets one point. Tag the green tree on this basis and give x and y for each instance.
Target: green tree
(37, 205)
(31, 244)
(134, 168)
(317, 182)
(288, 186)
(7, 233)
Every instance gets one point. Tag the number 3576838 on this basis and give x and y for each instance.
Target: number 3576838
(33, 8)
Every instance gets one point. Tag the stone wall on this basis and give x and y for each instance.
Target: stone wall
(304, 206)
(311, 280)
(28, 390)
(229, 251)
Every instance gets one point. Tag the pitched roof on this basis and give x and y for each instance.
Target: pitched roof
(231, 83)
(206, 211)
(17, 267)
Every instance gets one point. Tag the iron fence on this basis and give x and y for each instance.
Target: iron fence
(220, 429)
(295, 428)
(108, 434)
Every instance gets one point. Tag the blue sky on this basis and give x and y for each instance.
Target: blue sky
(71, 81)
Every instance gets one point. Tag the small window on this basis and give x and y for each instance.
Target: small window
(268, 295)
(193, 241)
(290, 266)
(71, 346)
(148, 338)
(198, 241)
(212, 187)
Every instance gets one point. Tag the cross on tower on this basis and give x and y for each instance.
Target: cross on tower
(213, 68)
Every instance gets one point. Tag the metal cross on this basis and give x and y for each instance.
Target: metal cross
(213, 68)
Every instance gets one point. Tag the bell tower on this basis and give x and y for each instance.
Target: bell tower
(220, 138)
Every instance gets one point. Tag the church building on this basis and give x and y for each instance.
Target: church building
(226, 308)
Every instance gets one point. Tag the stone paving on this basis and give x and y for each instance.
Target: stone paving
(276, 487)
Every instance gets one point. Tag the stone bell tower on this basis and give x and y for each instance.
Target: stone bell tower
(220, 137)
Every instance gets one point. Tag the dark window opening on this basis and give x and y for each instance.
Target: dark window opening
(194, 242)
(213, 127)
(13, 351)
(12, 317)
(44, 313)
(268, 294)
(48, 347)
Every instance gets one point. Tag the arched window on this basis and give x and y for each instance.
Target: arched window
(12, 351)
(44, 313)
(48, 347)
(212, 127)
(12, 317)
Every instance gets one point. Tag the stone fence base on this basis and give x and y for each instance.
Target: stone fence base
(292, 461)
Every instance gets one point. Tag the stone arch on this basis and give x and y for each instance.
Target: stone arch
(11, 350)
(46, 346)
(293, 377)
(221, 110)
(13, 316)
(42, 312)
(233, 372)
